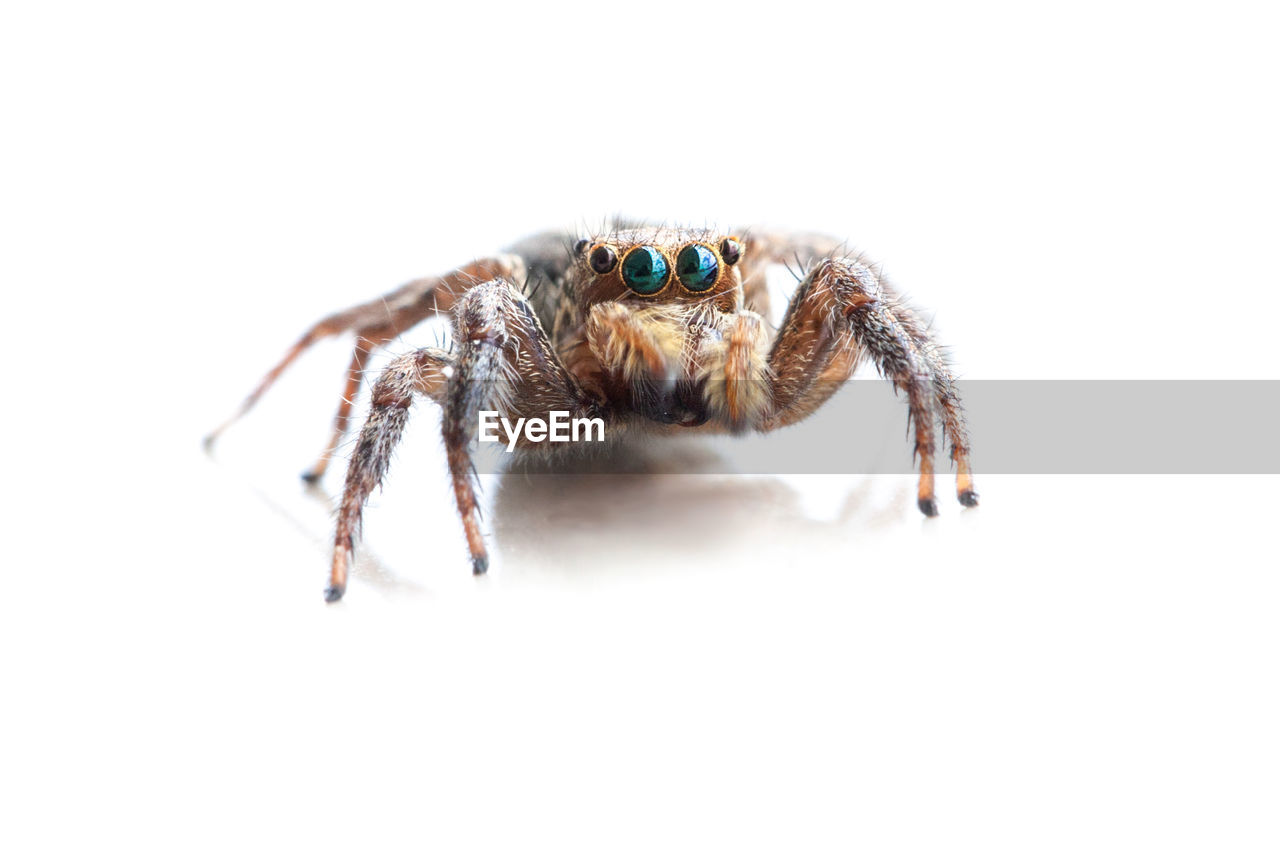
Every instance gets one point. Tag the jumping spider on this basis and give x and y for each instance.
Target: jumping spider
(646, 327)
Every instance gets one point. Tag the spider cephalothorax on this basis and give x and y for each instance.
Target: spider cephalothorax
(644, 328)
(648, 318)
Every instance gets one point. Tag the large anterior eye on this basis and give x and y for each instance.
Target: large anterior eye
(644, 269)
(697, 267)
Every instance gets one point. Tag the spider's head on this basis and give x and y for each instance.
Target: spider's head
(650, 266)
(655, 304)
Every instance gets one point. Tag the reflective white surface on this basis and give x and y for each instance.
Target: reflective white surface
(654, 661)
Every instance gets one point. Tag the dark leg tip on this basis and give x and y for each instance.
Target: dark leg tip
(929, 506)
(311, 478)
(333, 593)
(480, 565)
(968, 497)
(208, 441)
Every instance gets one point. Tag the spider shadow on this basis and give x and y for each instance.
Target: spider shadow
(642, 506)
(667, 503)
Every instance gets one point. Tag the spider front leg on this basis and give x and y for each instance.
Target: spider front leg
(421, 372)
(843, 310)
(375, 324)
(503, 361)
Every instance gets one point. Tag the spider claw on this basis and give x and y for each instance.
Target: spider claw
(333, 593)
(929, 506)
(968, 497)
(312, 477)
(480, 564)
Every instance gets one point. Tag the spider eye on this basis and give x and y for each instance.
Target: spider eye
(644, 269)
(603, 259)
(730, 250)
(581, 246)
(697, 267)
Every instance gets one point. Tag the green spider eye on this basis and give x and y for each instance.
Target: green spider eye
(644, 269)
(697, 267)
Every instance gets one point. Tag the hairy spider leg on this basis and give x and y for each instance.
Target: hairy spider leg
(505, 360)
(375, 323)
(764, 248)
(355, 377)
(841, 311)
(420, 372)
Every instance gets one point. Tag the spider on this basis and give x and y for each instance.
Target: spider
(648, 328)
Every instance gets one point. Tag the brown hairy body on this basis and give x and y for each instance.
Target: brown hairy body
(647, 328)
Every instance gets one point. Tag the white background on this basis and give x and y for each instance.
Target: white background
(657, 663)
